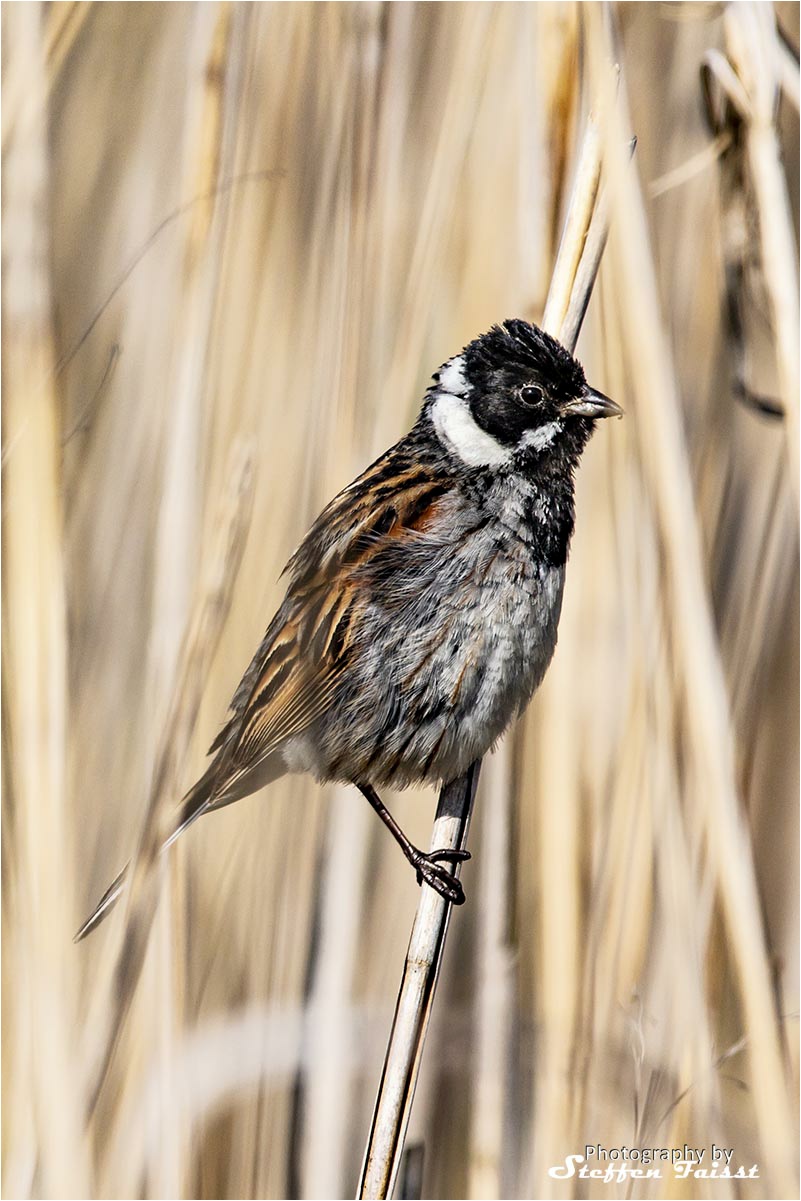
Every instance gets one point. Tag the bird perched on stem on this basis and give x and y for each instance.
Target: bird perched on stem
(422, 606)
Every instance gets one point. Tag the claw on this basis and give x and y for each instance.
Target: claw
(439, 878)
(450, 856)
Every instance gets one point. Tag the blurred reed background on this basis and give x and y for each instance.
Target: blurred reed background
(333, 199)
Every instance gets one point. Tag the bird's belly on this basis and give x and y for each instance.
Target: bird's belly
(507, 639)
(438, 687)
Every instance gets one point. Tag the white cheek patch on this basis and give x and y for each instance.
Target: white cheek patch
(452, 378)
(542, 436)
(458, 431)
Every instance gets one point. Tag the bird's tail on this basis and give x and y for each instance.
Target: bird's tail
(196, 802)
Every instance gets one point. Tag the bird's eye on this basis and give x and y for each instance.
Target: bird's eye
(530, 395)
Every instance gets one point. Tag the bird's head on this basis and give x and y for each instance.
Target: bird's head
(515, 397)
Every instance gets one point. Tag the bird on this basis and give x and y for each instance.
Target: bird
(422, 606)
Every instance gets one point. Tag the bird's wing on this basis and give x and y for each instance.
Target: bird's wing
(294, 675)
(356, 544)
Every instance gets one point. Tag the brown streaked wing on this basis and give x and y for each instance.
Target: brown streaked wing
(290, 692)
(294, 675)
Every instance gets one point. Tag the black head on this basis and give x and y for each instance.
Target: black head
(515, 396)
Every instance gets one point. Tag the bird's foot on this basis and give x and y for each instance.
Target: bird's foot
(439, 878)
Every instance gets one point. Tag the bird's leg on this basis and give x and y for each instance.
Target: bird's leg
(427, 865)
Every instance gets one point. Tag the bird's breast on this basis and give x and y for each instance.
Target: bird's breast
(509, 628)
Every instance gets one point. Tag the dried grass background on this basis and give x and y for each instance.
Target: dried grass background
(354, 191)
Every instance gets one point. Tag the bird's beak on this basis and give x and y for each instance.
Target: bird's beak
(593, 404)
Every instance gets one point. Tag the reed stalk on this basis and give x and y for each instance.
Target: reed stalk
(711, 763)
(565, 307)
(204, 624)
(35, 661)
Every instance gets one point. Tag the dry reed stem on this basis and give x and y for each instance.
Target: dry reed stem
(696, 653)
(207, 156)
(564, 309)
(207, 618)
(787, 72)
(753, 47)
(49, 1153)
(64, 24)
(415, 999)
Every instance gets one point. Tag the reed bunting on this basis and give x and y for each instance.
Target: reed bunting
(422, 606)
